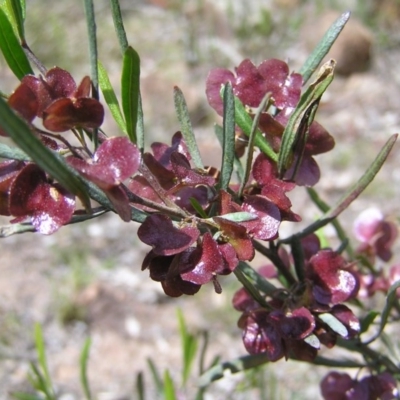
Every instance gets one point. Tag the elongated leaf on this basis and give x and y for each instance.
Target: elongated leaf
(250, 287)
(239, 216)
(334, 324)
(156, 376)
(182, 113)
(257, 280)
(12, 153)
(323, 47)
(189, 347)
(252, 138)
(169, 390)
(245, 122)
(302, 116)
(140, 126)
(49, 161)
(228, 137)
(140, 386)
(110, 97)
(17, 12)
(83, 368)
(25, 396)
(41, 353)
(238, 365)
(341, 233)
(352, 193)
(368, 320)
(11, 48)
(130, 81)
(313, 341)
(237, 164)
(391, 298)
(197, 207)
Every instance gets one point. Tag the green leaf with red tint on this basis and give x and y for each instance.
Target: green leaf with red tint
(159, 232)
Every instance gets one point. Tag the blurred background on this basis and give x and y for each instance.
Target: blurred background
(86, 280)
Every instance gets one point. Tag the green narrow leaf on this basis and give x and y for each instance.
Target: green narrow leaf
(189, 347)
(156, 376)
(341, 233)
(252, 138)
(169, 390)
(313, 341)
(245, 123)
(25, 396)
(12, 153)
(140, 386)
(368, 320)
(182, 113)
(303, 115)
(228, 137)
(239, 216)
(11, 48)
(41, 353)
(140, 126)
(391, 298)
(323, 47)
(110, 97)
(237, 163)
(130, 91)
(334, 324)
(250, 287)
(256, 279)
(197, 207)
(49, 161)
(350, 194)
(238, 365)
(17, 11)
(83, 368)
(119, 25)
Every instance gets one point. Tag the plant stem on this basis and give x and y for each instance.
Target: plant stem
(276, 260)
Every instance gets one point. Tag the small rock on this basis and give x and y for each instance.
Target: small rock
(352, 50)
